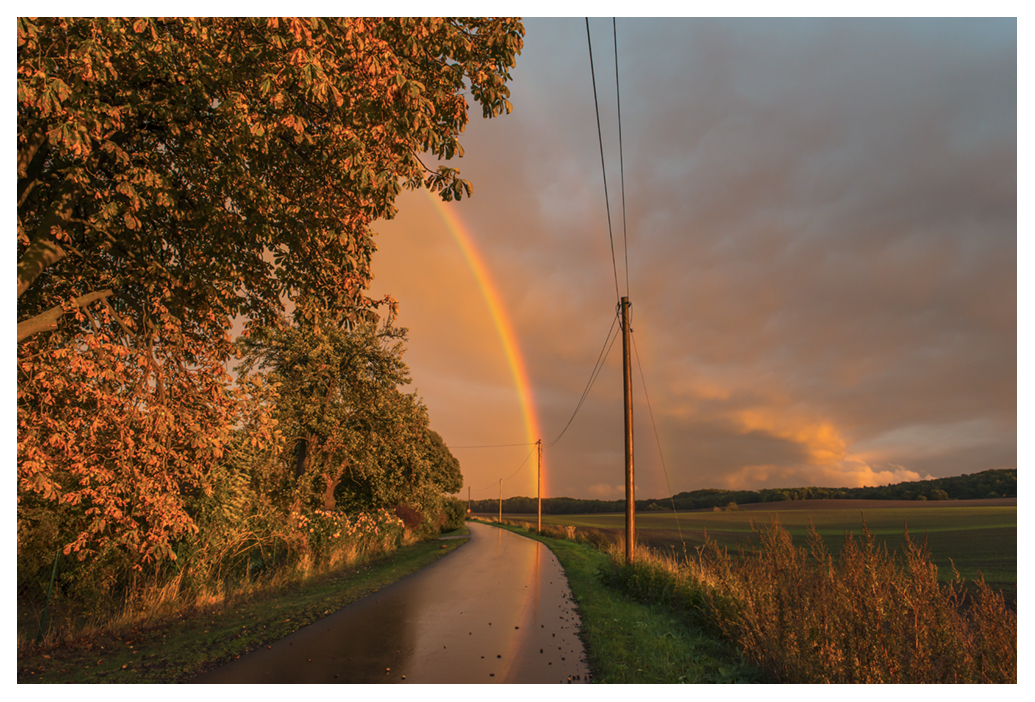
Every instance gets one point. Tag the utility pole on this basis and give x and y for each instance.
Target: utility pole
(468, 499)
(501, 501)
(630, 497)
(539, 484)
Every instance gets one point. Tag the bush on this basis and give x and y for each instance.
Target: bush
(455, 511)
(410, 517)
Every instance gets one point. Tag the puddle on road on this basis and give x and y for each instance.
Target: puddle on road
(496, 610)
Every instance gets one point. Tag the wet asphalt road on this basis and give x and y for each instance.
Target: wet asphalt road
(496, 610)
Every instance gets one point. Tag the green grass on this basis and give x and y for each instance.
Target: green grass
(178, 649)
(974, 539)
(632, 642)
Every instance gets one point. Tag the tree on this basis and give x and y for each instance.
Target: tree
(352, 438)
(231, 162)
(445, 469)
(175, 173)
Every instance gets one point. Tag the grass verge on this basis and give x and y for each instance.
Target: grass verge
(633, 642)
(191, 643)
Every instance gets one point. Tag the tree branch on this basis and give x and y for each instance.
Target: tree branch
(28, 152)
(115, 315)
(47, 321)
(44, 251)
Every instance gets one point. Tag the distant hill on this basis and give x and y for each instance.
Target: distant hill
(986, 484)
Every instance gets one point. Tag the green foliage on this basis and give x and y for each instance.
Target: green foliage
(647, 580)
(456, 513)
(352, 439)
(445, 469)
(551, 505)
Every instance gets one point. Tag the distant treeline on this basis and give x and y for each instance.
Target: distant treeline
(987, 484)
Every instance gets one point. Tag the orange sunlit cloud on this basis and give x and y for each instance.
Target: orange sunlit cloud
(843, 474)
(820, 441)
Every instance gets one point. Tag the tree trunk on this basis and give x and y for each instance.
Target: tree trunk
(329, 502)
(301, 457)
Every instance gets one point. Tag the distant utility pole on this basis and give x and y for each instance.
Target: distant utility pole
(539, 484)
(630, 497)
(468, 499)
(501, 501)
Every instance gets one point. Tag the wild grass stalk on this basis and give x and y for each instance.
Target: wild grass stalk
(806, 617)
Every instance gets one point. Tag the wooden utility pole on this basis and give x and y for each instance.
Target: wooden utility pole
(539, 484)
(501, 501)
(468, 499)
(630, 497)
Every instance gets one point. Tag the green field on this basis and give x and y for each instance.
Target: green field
(974, 538)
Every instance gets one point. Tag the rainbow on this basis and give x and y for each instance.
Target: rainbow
(462, 236)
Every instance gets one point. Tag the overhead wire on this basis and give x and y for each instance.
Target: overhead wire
(526, 443)
(603, 168)
(520, 466)
(605, 350)
(512, 474)
(657, 438)
(621, 160)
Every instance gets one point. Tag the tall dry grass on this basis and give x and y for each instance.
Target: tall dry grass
(233, 564)
(804, 616)
(602, 539)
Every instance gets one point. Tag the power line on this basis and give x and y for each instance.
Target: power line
(621, 160)
(515, 472)
(527, 443)
(603, 169)
(520, 466)
(604, 351)
(658, 440)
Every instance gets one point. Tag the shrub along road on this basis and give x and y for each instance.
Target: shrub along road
(497, 610)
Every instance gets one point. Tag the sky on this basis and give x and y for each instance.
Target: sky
(821, 230)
